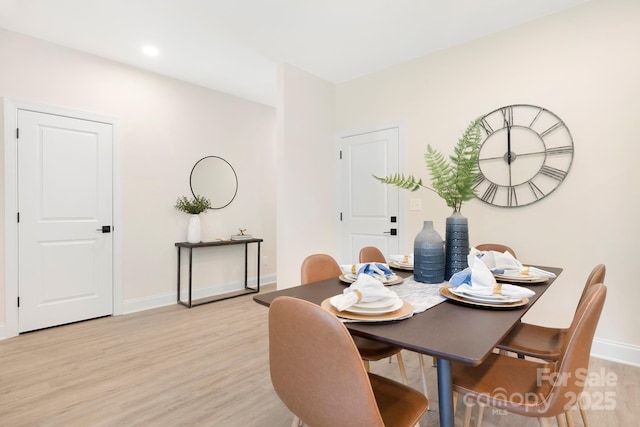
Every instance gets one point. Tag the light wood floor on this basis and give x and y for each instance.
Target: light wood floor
(205, 366)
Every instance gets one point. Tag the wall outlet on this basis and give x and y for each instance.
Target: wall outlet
(415, 204)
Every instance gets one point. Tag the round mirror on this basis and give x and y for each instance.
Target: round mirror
(214, 178)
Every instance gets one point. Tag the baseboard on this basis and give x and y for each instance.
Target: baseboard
(155, 301)
(616, 352)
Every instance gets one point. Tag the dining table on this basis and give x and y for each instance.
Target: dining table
(451, 331)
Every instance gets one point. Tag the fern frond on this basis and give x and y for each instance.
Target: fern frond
(399, 180)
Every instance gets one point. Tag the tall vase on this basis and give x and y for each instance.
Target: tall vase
(457, 244)
(428, 255)
(193, 232)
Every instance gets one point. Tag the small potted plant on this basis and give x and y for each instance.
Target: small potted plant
(194, 207)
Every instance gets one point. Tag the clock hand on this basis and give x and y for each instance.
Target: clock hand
(509, 143)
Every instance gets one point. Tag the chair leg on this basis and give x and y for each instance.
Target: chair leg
(583, 412)
(403, 371)
(543, 422)
(569, 415)
(468, 409)
(562, 421)
(481, 407)
(424, 379)
(366, 365)
(296, 422)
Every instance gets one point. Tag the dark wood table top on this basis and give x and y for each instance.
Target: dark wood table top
(449, 330)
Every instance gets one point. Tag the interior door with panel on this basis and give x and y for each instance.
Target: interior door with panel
(369, 209)
(65, 217)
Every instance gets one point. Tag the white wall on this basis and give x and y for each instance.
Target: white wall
(167, 126)
(306, 164)
(581, 64)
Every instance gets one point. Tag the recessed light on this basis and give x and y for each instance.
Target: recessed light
(150, 50)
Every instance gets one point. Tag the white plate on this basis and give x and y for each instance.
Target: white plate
(354, 277)
(375, 311)
(395, 304)
(382, 303)
(401, 265)
(492, 299)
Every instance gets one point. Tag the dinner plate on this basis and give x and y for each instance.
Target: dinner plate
(395, 305)
(382, 303)
(391, 280)
(403, 312)
(520, 278)
(446, 292)
(401, 265)
(490, 299)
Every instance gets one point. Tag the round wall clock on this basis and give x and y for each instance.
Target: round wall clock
(525, 154)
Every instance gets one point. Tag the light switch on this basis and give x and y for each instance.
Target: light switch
(415, 204)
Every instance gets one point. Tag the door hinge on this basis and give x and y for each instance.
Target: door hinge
(18, 301)
(18, 217)
(340, 216)
(17, 133)
(340, 154)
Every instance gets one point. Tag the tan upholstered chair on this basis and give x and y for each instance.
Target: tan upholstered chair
(544, 343)
(318, 374)
(496, 247)
(319, 267)
(530, 388)
(373, 254)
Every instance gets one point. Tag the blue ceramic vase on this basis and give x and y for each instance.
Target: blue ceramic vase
(457, 244)
(428, 255)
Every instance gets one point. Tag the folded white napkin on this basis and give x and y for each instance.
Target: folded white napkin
(478, 280)
(365, 289)
(402, 259)
(505, 263)
(376, 269)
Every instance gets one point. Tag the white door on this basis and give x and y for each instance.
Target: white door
(64, 200)
(369, 208)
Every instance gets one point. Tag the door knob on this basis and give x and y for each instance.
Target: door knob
(104, 229)
(393, 232)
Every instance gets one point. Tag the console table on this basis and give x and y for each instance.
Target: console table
(247, 289)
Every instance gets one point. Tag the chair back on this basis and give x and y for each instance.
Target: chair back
(596, 276)
(319, 267)
(571, 374)
(496, 247)
(316, 369)
(371, 254)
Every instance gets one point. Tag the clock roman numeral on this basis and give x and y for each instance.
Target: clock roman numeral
(537, 193)
(486, 126)
(478, 180)
(490, 193)
(512, 197)
(556, 151)
(552, 128)
(507, 116)
(553, 172)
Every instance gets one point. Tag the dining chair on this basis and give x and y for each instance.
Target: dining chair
(317, 372)
(319, 267)
(545, 343)
(531, 388)
(542, 342)
(496, 247)
(373, 254)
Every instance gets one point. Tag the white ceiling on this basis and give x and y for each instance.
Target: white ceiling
(234, 46)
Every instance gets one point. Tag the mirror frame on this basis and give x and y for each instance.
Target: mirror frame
(235, 192)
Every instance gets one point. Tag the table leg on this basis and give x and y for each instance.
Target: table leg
(445, 393)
